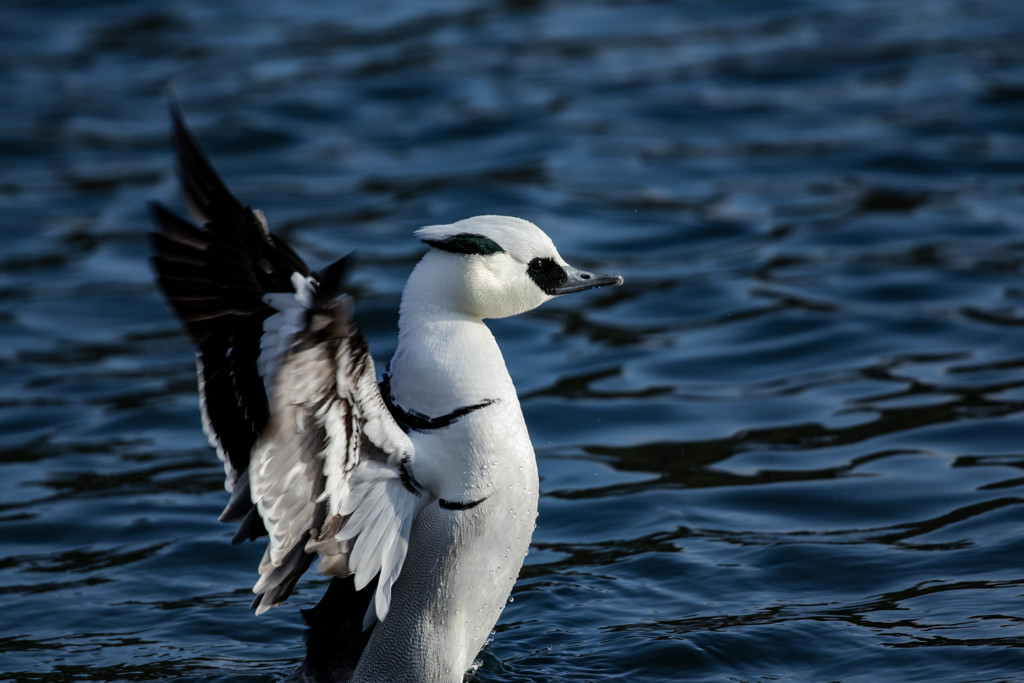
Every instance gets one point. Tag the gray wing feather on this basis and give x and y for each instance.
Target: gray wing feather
(325, 473)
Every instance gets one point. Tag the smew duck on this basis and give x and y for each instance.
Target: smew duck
(418, 494)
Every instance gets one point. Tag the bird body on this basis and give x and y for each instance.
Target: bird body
(447, 360)
(418, 495)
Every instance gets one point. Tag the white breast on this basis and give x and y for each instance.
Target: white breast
(456, 581)
(461, 564)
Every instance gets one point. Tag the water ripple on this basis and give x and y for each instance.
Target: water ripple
(787, 448)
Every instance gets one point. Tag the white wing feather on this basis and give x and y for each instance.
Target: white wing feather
(380, 512)
(325, 475)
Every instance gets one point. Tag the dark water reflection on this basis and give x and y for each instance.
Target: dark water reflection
(788, 449)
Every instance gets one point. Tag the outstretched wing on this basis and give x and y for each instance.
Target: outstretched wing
(288, 393)
(328, 474)
(215, 279)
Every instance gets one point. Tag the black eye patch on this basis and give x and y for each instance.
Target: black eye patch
(467, 243)
(547, 274)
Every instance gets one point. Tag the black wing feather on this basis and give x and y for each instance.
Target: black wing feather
(215, 279)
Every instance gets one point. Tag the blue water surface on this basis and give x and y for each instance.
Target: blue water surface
(790, 447)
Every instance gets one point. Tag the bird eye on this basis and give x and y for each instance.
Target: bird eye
(547, 274)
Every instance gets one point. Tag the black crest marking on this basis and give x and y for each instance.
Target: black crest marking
(467, 243)
(547, 274)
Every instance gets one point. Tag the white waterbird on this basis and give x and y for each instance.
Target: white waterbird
(417, 494)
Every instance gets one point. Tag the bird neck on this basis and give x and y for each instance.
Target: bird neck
(445, 359)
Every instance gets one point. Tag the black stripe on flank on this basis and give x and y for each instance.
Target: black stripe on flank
(452, 505)
(467, 243)
(546, 274)
(410, 420)
(408, 481)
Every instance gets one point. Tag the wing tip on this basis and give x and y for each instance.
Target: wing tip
(259, 605)
(202, 189)
(333, 276)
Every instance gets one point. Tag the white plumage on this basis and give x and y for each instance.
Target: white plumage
(421, 500)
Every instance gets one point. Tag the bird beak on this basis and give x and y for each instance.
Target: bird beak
(579, 280)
